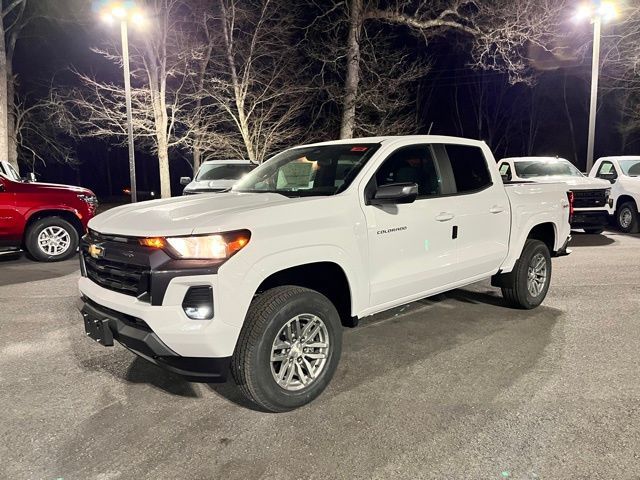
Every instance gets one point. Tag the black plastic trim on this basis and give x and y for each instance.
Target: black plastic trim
(141, 340)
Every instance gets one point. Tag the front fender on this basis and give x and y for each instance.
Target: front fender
(239, 281)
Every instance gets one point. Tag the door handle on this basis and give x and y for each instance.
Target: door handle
(497, 209)
(444, 216)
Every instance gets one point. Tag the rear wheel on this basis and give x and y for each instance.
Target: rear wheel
(529, 282)
(627, 217)
(288, 349)
(52, 239)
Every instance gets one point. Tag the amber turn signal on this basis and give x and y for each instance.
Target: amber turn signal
(156, 242)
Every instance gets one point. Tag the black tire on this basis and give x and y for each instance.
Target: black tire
(594, 231)
(627, 209)
(33, 247)
(251, 362)
(517, 292)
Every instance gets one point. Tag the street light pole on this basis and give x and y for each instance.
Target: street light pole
(127, 90)
(595, 74)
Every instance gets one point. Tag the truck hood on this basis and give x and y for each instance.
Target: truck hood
(182, 215)
(58, 187)
(576, 183)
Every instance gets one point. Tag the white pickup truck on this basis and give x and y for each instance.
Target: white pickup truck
(591, 196)
(623, 173)
(261, 279)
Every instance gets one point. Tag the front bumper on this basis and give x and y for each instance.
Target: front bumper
(136, 335)
(589, 218)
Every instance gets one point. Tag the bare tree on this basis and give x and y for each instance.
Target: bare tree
(254, 91)
(11, 24)
(161, 66)
(501, 32)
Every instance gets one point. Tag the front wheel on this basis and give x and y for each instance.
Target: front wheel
(529, 282)
(627, 217)
(289, 348)
(52, 239)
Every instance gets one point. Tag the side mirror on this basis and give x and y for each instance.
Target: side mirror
(506, 178)
(395, 193)
(612, 180)
(32, 177)
(185, 180)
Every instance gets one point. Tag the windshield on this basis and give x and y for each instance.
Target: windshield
(223, 171)
(630, 167)
(309, 171)
(546, 168)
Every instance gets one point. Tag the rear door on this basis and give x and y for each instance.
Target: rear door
(412, 249)
(483, 217)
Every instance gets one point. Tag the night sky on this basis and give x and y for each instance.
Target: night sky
(51, 48)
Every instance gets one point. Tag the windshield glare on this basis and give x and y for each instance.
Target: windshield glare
(223, 171)
(309, 171)
(546, 168)
(630, 168)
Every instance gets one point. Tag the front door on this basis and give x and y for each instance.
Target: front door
(9, 235)
(412, 247)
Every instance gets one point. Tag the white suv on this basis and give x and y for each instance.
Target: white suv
(624, 175)
(216, 176)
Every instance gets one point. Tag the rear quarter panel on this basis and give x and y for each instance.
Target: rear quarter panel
(532, 205)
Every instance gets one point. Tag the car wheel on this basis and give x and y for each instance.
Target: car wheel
(530, 279)
(594, 231)
(52, 239)
(288, 349)
(627, 217)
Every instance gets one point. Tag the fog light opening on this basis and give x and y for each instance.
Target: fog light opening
(198, 303)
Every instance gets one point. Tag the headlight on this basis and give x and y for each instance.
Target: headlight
(607, 193)
(213, 247)
(90, 199)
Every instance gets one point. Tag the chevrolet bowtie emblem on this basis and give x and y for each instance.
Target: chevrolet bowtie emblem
(96, 251)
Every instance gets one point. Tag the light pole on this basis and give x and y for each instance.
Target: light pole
(597, 11)
(126, 13)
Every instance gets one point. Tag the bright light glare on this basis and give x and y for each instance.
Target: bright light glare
(607, 11)
(211, 246)
(138, 18)
(106, 17)
(584, 12)
(119, 12)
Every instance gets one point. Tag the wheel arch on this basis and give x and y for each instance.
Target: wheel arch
(622, 199)
(68, 215)
(326, 277)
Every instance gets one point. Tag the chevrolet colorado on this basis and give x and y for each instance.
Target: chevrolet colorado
(262, 278)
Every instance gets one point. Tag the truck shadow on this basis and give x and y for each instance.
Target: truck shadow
(387, 344)
(580, 239)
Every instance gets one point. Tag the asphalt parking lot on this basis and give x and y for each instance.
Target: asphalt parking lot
(454, 387)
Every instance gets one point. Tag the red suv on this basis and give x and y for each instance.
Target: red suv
(45, 219)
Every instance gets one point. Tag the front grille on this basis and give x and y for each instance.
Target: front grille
(119, 277)
(589, 198)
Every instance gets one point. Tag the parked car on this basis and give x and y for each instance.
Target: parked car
(624, 175)
(45, 219)
(216, 176)
(260, 278)
(7, 170)
(591, 195)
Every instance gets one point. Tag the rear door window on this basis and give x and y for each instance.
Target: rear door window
(468, 167)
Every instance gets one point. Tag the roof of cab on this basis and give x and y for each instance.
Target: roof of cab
(401, 138)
